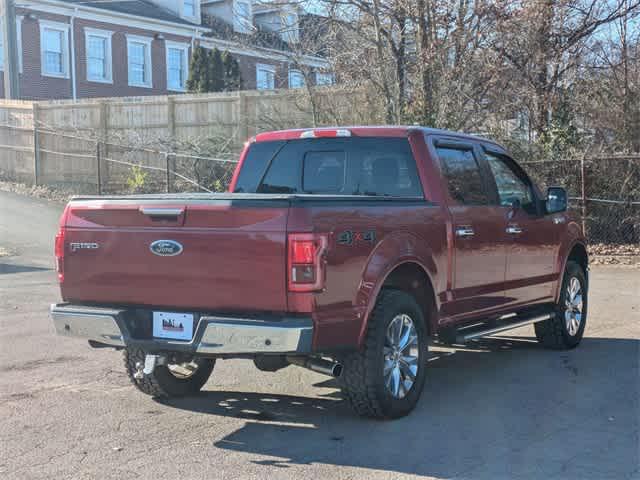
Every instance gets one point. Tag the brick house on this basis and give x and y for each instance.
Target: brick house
(82, 49)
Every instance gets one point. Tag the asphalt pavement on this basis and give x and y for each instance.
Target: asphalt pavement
(503, 408)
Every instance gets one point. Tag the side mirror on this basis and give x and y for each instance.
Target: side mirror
(556, 200)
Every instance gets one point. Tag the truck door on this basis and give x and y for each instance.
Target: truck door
(534, 239)
(478, 235)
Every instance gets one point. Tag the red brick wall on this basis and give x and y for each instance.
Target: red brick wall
(35, 86)
(248, 71)
(120, 86)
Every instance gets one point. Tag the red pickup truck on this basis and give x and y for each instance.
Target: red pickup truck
(342, 250)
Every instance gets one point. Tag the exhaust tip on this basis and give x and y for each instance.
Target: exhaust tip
(336, 371)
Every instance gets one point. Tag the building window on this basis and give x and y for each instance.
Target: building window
(98, 45)
(265, 77)
(189, 9)
(54, 49)
(139, 58)
(296, 79)
(289, 31)
(177, 66)
(1, 47)
(18, 42)
(325, 78)
(243, 16)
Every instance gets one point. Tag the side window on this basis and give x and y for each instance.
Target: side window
(462, 172)
(255, 163)
(511, 187)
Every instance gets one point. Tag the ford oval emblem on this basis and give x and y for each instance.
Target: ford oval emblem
(165, 248)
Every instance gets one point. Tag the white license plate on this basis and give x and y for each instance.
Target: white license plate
(175, 326)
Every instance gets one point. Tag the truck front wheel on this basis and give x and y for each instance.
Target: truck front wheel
(566, 328)
(170, 380)
(385, 378)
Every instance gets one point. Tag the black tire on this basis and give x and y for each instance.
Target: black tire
(554, 333)
(362, 380)
(162, 383)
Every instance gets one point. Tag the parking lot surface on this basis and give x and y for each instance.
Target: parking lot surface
(503, 408)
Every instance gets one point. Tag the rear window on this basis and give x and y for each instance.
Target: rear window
(332, 166)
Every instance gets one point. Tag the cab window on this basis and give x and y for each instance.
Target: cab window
(512, 187)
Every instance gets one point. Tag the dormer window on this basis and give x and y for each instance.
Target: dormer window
(242, 16)
(189, 8)
(289, 32)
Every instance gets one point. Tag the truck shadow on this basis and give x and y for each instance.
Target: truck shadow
(501, 408)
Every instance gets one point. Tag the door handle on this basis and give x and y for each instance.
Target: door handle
(465, 232)
(514, 230)
(161, 212)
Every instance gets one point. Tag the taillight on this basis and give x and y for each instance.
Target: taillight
(59, 251)
(59, 245)
(305, 261)
(326, 133)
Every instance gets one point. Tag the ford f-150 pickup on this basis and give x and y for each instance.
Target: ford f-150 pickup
(342, 250)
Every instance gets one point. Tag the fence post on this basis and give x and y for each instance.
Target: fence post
(584, 195)
(171, 121)
(243, 118)
(167, 161)
(36, 146)
(101, 144)
(98, 168)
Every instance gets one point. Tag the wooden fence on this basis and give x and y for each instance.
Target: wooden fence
(89, 145)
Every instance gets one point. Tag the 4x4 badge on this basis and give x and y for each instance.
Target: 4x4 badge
(350, 238)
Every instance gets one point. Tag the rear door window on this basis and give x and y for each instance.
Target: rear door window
(341, 166)
(462, 173)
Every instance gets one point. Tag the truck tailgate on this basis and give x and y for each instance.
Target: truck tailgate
(223, 253)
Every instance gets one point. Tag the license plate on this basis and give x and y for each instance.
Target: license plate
(174, 326)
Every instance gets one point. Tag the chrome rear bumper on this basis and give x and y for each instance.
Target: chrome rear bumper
(212, 334)
(96, 324)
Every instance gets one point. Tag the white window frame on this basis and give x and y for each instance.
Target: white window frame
(293, 72)
(106, 35)
(148, 67)
(19, 19)
(268, 68)
(330, 75)
(64, 29)
(2, 46)
(185, 63)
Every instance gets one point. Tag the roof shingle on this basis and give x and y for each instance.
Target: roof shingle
(140, 8)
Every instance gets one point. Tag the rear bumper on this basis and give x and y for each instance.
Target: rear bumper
(213, 335)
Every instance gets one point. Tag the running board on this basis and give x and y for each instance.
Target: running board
(463, 337)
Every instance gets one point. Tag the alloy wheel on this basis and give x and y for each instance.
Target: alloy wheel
(401, 354)
(573, 306)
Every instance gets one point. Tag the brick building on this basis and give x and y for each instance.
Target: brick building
(82, 49)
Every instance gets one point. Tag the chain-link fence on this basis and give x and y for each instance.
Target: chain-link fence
(604, 191)
(80, 163)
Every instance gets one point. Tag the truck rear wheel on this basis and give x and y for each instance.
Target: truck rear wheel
(170, 380)
(385, 378)
(566, 328)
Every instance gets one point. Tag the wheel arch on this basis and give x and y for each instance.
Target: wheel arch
(404, 263)
(577, 253)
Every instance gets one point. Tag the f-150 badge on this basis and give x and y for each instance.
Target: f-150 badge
(75, 246)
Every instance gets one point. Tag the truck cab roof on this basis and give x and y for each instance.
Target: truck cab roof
(364, 131)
